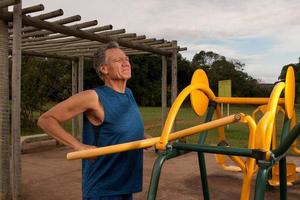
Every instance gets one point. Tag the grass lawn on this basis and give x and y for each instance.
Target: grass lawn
(236, 134)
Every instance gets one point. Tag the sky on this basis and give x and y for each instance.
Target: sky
(262, 34)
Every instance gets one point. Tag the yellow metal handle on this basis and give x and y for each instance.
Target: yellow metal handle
(89, 153)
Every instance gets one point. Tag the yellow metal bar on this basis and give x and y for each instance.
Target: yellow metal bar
(161, 145)
(207, 126)
(289, 93)
(245, 100)
(240, 162)
(247, 119)
(275, 96)
(89, 153)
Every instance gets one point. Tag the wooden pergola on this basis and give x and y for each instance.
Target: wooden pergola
(43, 35)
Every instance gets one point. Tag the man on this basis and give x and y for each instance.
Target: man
(111, 116)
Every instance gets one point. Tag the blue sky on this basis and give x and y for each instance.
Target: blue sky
(262, 34)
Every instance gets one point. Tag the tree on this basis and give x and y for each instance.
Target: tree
(43, 80)
(282, 75)
(219, 68)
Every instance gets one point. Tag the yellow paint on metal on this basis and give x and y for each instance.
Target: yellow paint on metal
(289, 92)
(247, 119)
(199, 100)
(275, 95)
(240, 163)
(245, 100)
(220, 159)
(140, 144)
(263, 110)
(290, 174)
(175, 108)
(261, 130)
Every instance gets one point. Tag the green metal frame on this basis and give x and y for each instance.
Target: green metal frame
(265, 165)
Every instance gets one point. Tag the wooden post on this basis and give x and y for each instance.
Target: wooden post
(74, 91)
(80, 88)
(174, 71)
(4, 113)
(174, 75)
(16, 104)
(163, 89)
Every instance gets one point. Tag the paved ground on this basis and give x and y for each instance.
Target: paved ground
(47, 175)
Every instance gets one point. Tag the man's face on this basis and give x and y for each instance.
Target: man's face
(117, 65)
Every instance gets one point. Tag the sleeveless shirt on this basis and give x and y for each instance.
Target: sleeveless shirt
(119, 173)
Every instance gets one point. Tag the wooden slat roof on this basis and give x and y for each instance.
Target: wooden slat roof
(68, 37)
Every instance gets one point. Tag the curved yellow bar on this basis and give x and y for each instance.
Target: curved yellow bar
(140, 144)
(262, 130)
(245, 100)
(275, 95)
(175, 108)
(263, 110)
(289, 92)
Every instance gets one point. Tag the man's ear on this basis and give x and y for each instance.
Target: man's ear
(103, 69)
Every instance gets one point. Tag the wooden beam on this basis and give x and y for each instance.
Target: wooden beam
(58, 43)
(80, 88)
(16, 104)
(61, 21)
(71, 46)
(76, 26)
(83, 44)
(32, 9)
(74, 91)
(174, 76)
(86, 35)
(53, 38)
(48, 55)
(5, 106)
(49, 15)
(6, 3)
(174, 71)
(164, 88)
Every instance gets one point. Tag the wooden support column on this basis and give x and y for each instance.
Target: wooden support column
(16, 104)
(4, 113)
(75, 127)
(163, 89)
(174, 71)
(174, 75)
(80, 88)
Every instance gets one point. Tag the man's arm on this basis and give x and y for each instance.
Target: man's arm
(51, 120)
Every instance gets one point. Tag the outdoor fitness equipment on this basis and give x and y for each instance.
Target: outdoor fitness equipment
(260, 136)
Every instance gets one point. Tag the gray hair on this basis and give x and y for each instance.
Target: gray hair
(99, 56)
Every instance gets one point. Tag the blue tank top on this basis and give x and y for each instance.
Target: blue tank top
(119, 173)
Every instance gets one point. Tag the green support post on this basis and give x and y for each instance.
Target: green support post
(157, 169)
(261, 181)
(201, 158)
(282, 162)
(282, 178)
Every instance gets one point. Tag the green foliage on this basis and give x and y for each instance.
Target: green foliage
(43, 80)
(218, 68)
(146, 79)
